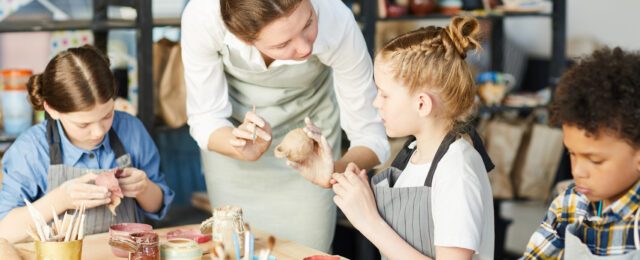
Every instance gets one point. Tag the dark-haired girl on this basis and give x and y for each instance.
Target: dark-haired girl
(54, 164)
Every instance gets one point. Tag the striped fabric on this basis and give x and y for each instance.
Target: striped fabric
(407, 210)
(100, 218)
(610, 234)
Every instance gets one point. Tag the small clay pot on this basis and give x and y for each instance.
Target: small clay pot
(422, 7)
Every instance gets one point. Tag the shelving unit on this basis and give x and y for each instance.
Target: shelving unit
(101, 25)
(370, 20)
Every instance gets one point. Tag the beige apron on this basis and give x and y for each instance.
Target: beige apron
(275, 198)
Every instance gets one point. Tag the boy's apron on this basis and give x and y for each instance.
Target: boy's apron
(273, 196)
(408, 210)
(575, 249)
(98, 219)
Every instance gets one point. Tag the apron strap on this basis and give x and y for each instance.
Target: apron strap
(116, 144)
(444, 147)
(442, 150)
(55, 145)
(479, 146)
(53, 139)
(403, 157)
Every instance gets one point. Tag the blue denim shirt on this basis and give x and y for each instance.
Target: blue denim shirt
(26, 162)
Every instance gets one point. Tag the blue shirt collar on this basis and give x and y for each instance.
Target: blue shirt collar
(72, 154)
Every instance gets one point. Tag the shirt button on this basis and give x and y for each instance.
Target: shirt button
(92, 155)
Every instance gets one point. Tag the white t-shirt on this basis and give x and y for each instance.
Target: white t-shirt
(339, 45)
(461, 198)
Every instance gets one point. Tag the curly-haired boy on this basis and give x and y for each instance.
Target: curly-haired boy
(598, 105)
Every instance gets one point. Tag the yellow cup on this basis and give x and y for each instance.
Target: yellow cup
(71, 250)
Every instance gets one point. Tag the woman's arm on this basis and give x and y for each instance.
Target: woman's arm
(360, 155)
(355, 90)
(208, 105)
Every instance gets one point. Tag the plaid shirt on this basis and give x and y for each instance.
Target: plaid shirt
(611, 234)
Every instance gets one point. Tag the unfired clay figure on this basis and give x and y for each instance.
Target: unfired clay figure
(296, 146)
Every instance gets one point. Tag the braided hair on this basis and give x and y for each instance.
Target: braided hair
(433, 58)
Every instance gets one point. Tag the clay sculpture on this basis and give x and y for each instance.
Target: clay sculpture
(108, 179)
(296, 146)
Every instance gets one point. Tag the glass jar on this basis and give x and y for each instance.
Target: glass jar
(226, 222)
(17, 113)
(147, 246)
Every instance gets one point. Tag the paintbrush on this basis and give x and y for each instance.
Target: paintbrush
(248, 242)
(218, 251)
(262, 254)
(236, 245)
(270, 244)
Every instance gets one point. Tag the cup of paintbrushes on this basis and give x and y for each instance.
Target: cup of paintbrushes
(71, 250)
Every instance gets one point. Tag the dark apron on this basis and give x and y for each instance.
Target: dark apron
(408, 210)
(98, 219)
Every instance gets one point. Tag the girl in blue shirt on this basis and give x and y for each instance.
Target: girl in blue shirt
(54, 164)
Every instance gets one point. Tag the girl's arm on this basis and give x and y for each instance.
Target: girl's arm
(69, 195)
(356, 200)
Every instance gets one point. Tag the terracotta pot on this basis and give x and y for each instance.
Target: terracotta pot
(422, 7)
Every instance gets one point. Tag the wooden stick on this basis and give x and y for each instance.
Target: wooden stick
(36, 221)
(56, 219)
(67, 235)
(81, 232)
(32, 233)
(81, 229)
(76, 226)
(65, 224)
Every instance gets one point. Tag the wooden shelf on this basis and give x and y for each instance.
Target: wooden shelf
(37, 26)
(496, 109)
(444, 16)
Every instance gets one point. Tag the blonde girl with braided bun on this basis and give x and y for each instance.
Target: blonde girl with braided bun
(435, 200)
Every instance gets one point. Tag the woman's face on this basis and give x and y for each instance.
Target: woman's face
(290, 37)
(86, 129)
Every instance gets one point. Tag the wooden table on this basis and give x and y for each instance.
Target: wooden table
(97, 246)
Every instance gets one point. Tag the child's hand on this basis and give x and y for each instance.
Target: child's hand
(133, 182)
(355, 197)
(252, 137)
(80, 190)
(319, 166)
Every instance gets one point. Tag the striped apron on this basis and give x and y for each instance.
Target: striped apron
(408, 210)
(98, 219)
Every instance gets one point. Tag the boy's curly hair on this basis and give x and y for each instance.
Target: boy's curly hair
(601, 93)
